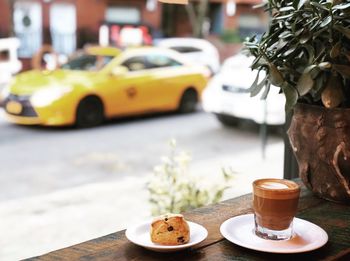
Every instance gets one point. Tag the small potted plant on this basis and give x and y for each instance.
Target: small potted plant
(174, 189)
(306, 53)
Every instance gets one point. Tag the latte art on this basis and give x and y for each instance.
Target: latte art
(276, 189)
(273, 185)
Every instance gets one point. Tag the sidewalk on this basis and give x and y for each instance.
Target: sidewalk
(37, 225)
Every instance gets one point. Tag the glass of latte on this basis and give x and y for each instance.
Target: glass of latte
(275, 205)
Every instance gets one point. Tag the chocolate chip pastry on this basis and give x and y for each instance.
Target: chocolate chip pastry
(170, 229)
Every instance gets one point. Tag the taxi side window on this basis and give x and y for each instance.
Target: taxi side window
(135, 63)
(4, 56)
(159, 61)
(186, 49)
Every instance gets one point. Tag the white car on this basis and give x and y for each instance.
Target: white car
(196, 50)
(9, 62)
(226, 95)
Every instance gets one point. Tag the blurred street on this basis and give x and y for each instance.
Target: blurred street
(64, 186)
(60, 186)
(36, 160)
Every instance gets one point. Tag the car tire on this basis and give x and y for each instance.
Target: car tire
(188, 101)
(228, 120)
(90, 112)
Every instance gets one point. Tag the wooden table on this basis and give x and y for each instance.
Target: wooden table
(334, 218)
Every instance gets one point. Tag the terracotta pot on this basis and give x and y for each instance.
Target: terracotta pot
(320, 139)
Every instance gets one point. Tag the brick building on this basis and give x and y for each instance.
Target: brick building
(244, 17)
(69, 24)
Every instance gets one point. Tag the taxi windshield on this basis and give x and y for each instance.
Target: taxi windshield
(87, 62)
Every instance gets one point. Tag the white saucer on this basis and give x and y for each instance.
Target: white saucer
(307, 236)
(140, 235)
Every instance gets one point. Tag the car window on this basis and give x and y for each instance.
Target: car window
(149, 62)
(186, 49)
(135, 63)
(87, 62)
(158, 61)
(4, 56)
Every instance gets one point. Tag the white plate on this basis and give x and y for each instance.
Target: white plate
(140, 235)
(307, 236)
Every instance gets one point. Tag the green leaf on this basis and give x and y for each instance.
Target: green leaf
(319, 6)
(258, 62)
(258, 87)
(310, 52)
(291, 97)
(305, 83)
(285, 34)
(335, 50)
(254, 84)
(314, 26)
(251, 44)
(295, 3)
(297, 33)
(314, 73)
(318, 87)
(274, 35)
(301, 3)
(344, 70)
(283, 17)
(276, 77)
(266, 91)
(341, 6)
(337, 2)
(310, 68)
(286, 9)
(305, 37)
(328, 4)
(311, 21)
(326, 21)
(290, 51)
(325, 65)
(345, 31)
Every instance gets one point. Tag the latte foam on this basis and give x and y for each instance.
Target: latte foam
(273, 185)
(276, 188)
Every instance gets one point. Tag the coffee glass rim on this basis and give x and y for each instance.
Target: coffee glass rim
(293, 189)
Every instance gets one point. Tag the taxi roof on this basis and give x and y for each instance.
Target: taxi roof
(102, 50)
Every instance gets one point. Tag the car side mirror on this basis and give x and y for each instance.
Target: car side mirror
(119, 71)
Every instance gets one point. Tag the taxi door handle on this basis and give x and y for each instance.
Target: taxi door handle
(131, 92)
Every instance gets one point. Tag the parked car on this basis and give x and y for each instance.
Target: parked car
(226, 95)
(9, 63)
(196, 50)
(104, 83)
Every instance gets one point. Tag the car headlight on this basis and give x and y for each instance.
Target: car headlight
(45, 97)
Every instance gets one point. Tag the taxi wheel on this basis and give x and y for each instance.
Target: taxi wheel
(228, 120)
(89, 113)
(188, 101)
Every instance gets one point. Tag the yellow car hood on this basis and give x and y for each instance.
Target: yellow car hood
(29, 82)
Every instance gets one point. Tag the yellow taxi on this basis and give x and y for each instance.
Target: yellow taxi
(103, 83)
